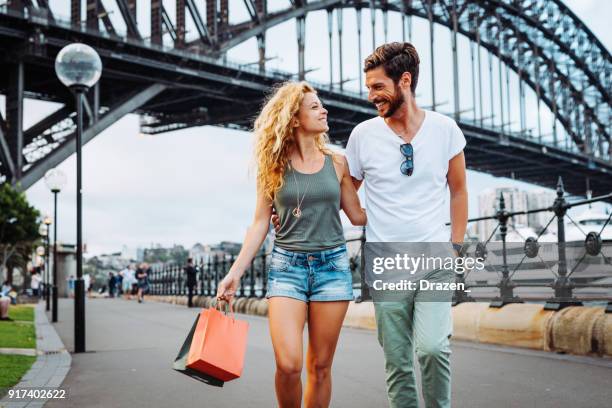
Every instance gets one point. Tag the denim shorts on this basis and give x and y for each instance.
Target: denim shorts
(311, 276)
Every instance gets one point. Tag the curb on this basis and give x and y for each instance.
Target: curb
(576, 330)
(50, 368)
(19, 351)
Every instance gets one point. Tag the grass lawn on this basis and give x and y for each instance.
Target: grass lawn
(17, 335)
(12, 368)
(21, 312)
(21, 332)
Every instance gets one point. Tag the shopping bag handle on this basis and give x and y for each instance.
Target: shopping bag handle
(231, 307)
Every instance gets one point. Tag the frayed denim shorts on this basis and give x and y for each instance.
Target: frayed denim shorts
(322, 276)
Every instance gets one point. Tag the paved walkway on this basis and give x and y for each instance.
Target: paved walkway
(50, 368)
(132, 347)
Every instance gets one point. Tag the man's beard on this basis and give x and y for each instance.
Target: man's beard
(395, 103)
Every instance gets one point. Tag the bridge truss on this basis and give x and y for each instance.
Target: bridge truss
(175, 80)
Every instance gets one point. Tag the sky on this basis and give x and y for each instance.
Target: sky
(198, 184)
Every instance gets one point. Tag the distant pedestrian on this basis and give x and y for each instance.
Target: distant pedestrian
(142, 275)
(191, 273)
(35, 283)
(71, 286)
(86, 283)
(6, 288)
(128, 280)
(112, 284)
(119, 283)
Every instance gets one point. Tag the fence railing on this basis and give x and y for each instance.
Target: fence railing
(559, 280)
(171, 279)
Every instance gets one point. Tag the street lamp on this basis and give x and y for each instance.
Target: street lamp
(55, 180)
(41, 251)
(47, 221)
(78, 66)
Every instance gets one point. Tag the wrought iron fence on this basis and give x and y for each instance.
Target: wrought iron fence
(171, 279)
(560, 280)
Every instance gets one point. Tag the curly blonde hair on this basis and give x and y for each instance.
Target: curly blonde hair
(274, 135)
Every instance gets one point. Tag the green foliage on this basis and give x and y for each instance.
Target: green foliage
(179, 255)
(176, 255)
(18, 219)
(18, 227)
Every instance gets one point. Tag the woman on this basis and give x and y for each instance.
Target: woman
(309, 278)
(142, 277)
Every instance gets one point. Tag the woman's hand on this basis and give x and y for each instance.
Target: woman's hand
(228, 287)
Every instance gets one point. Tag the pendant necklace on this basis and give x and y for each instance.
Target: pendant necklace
(297, 211)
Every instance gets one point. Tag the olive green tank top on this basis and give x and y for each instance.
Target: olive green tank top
(319, 226)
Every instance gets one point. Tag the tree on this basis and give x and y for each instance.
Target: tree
(179, 255)
(18, 226)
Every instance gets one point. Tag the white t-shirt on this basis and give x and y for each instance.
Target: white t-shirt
(404, 208)
(128, 276)
(35, 282)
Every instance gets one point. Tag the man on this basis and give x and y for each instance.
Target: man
(405, 158)
(112, 284)
(118, 283)
(190, 271)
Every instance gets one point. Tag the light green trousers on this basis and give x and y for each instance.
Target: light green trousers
(425, 326)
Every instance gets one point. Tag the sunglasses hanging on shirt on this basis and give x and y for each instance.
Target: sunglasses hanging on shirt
(407, 166)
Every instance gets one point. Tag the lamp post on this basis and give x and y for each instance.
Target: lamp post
(47, 221)
(55, 180)
(78, 66)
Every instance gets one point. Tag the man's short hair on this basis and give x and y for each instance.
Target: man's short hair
(189, 260)
(395, 58)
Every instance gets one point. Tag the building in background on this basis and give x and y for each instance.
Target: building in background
(131, 254)
(541, 199)
(199, 253)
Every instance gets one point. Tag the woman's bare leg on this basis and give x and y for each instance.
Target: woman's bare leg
(324, 324)
(286, 317)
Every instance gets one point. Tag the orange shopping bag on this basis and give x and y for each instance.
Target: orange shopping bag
(218, 345)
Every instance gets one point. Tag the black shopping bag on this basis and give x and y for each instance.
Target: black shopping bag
(181, 360)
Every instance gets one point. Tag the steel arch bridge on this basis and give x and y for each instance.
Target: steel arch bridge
(177, 77)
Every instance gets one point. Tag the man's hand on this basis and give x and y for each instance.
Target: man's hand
(275, 219)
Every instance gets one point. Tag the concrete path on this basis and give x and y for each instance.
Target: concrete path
(132, 346)
(50, 368)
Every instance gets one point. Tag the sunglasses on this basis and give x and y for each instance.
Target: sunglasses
(407, 166)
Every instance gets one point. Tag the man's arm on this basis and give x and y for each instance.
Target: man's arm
(356, 183)
(458, 197)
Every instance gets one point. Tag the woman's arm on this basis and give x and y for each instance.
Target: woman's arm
(252, 242)
(349, 200)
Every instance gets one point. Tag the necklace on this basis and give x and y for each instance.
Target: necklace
(297, 211)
